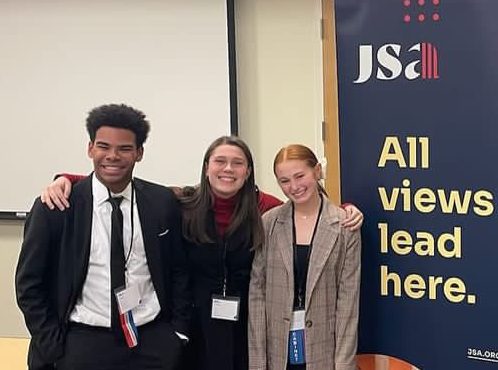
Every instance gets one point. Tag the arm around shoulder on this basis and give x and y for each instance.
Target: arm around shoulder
(267, 201)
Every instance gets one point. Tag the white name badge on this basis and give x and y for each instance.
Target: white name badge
(297, 322)
(127, 298)
(225, 307)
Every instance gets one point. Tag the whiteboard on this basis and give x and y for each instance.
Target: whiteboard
(61, 58)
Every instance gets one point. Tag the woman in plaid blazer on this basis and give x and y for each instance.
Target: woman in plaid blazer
(306, 276)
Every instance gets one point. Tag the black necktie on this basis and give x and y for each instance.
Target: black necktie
(117, 258)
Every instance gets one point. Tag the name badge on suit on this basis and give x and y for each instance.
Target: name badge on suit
(297, 354)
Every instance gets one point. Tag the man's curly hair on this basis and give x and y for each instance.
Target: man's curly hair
(119, 116)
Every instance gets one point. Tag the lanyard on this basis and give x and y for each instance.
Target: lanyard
(225, 267)
(300, 275)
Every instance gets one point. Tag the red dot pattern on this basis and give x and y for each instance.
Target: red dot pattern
(421, 10)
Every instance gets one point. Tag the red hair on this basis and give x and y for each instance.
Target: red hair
(301, 153)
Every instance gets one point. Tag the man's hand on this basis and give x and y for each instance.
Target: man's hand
(354, 217)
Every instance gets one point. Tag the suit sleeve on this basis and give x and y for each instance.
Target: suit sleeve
(267, 201)
(348, 304)
(71, 177)
(257, 308)
(36, 284)
(181, 300)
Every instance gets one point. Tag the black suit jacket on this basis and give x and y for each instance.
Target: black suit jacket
(54, 257)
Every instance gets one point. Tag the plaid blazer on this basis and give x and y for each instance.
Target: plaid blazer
(332, 294)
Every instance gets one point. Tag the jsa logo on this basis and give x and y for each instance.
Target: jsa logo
(389, 65)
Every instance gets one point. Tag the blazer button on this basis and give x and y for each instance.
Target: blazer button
(309, 323)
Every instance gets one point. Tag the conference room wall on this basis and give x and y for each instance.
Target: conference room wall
(279, 62)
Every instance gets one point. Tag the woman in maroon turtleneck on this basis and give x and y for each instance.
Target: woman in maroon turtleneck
(222, 225)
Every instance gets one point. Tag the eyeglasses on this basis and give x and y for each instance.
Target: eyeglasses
(222, 162)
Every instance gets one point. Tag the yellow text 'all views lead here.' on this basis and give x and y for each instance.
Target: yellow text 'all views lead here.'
(414, 153)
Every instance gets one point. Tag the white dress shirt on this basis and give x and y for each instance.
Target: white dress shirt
(93, 307)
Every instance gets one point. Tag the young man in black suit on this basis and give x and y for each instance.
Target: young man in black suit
(104, 284)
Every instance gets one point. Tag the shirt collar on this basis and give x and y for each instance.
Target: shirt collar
(101, 194)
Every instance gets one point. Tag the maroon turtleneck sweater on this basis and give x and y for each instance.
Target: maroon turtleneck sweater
(223, 211)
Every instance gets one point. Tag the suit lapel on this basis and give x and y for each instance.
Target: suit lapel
(323, 244)
(284, 244)
(82, 214)
(146, 208)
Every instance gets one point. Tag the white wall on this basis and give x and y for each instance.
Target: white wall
(279, 72)
(280, 102)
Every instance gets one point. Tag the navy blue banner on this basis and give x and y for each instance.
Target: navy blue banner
(418, 116)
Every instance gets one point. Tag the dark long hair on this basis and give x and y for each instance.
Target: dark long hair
(198, 205)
